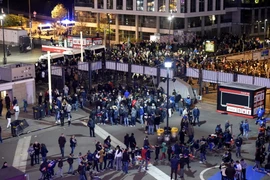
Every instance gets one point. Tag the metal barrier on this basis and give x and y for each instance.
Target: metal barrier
(262, 82)
(163, 73)
(244, 79)
(96, 65)
(56, 70)
(83, 66)
(192, 72)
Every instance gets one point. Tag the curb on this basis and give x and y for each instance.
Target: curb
(28, 132)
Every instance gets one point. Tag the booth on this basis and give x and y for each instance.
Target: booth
(240, 99)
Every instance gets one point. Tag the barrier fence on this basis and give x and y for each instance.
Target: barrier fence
(222, 77)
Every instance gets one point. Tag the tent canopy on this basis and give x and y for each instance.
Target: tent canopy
(180, 87)
(11, 173)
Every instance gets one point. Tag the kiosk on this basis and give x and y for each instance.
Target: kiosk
(240, 99)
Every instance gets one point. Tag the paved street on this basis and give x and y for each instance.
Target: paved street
(50, 135)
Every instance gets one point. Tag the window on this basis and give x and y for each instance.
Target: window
(119, 4)
(150, 5)
(129, 4)
(149, 21)
(100, 4)
(218, 4)
(183, 6)
(139, 5)
(201, 5)
(210, 5)
(173, 6)
(109, 4)
(193, 6)
(161, 5)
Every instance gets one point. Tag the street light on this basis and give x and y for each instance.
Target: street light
(170, 18)
(2, 17)
(265, 28)
(168, 65)
(258, 26)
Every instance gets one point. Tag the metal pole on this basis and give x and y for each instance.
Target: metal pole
(81, 42)
(167, 123)
(4, 45)
(30, 23)
(49, 77)
(8, 6)
(109, 33)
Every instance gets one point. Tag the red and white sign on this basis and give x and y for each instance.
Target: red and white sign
(238, 109)
(55, 49)
(231, 91)
(259, 98)
(75, 42)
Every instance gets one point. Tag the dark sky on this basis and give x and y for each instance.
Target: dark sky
(40, 6)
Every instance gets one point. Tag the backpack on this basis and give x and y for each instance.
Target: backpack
(90, 157)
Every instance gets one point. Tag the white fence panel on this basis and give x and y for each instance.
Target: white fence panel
(244, 79)
(150, 71)
(137, 69)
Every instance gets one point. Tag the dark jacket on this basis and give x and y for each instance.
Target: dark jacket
(43, 151)
(70, 160)
(72, 143)
(132, 141)
(174, 163)
(126, 140)
(8, 115)
(60, 163)
(125, 157)
(62, 141)
(36, 148)
(91, 123)
(230, 172)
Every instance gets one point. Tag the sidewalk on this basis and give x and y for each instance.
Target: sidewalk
(35, 125)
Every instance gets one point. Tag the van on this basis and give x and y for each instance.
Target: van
(45, 29)
(56, 58)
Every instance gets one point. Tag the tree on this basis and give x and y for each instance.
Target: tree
(59, 12)
(14, 20)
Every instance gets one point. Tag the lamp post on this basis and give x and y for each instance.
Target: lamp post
(258, 27)
(168, 65)
(2, 17)
(30, 23)
(264, 31)
(170, 18)
(109, 24)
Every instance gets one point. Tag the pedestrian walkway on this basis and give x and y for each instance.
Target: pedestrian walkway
(35, 125)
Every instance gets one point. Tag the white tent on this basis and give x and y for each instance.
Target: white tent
(180, 86)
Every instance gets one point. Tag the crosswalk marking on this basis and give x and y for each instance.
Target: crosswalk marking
(21, 154)
(153, 171)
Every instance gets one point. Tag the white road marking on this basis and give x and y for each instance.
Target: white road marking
(207, 169)
(21, 154)
(153, 171)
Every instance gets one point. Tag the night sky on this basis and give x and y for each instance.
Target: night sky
(40, 6)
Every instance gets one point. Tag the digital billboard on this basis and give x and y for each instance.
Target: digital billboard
(209, 46)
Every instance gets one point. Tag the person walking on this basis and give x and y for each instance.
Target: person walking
(91, 125)
(25, 104)
(126, 140)
(238, 144)
(8, 117)
(62, 141)
(174, 167)
(16, 109)
(157, 151)
(73, 143)
(96, 160)
(182, 163)
(132, 141)
(246, 129)
(196, 115)
(164, 149)
(181, 105)
(68, 110)
(31, 153)
(43, 152)
(37, 151)
(60, 167)
(70, 163)
(202, 152)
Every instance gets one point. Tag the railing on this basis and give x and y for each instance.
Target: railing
(222, 77)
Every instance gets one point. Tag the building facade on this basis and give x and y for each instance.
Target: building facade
(139, 19)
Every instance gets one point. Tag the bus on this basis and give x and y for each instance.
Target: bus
(56, 58)
(95, 52)
(45, 29)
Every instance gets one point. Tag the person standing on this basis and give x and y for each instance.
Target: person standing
(202, 152)
(91, 125)
(174, 167)
(230, 172)
(31, 153)
(62, 117)
(238, 144)
(157, 151)
(25, 104)
(43, 152)
(37, 151)
(244, 168)
(16, 109)
(7, 101)
(73, 143)
(246, 129)
(1, 140)
(60, 167)
(8, 117)
(196, 115)
(62, 141)
(68, 110)
(126, 140)
(118, 158)
(182, 163)
(14, 102)
(125, 161)
(181, 106)
(81, 171)
(1, 107)
(40, 97)
(132, 141)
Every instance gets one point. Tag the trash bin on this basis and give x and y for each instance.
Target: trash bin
(36, 113)
(42, 112)
(23, 123)
(16, 129)
(160, 135)
(174, 132)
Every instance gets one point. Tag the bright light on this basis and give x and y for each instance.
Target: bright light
(66, 21)
(168, 64)
(265, 20)
(2, 16)
(170, 18)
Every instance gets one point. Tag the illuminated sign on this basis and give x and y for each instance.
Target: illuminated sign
(209, 46)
